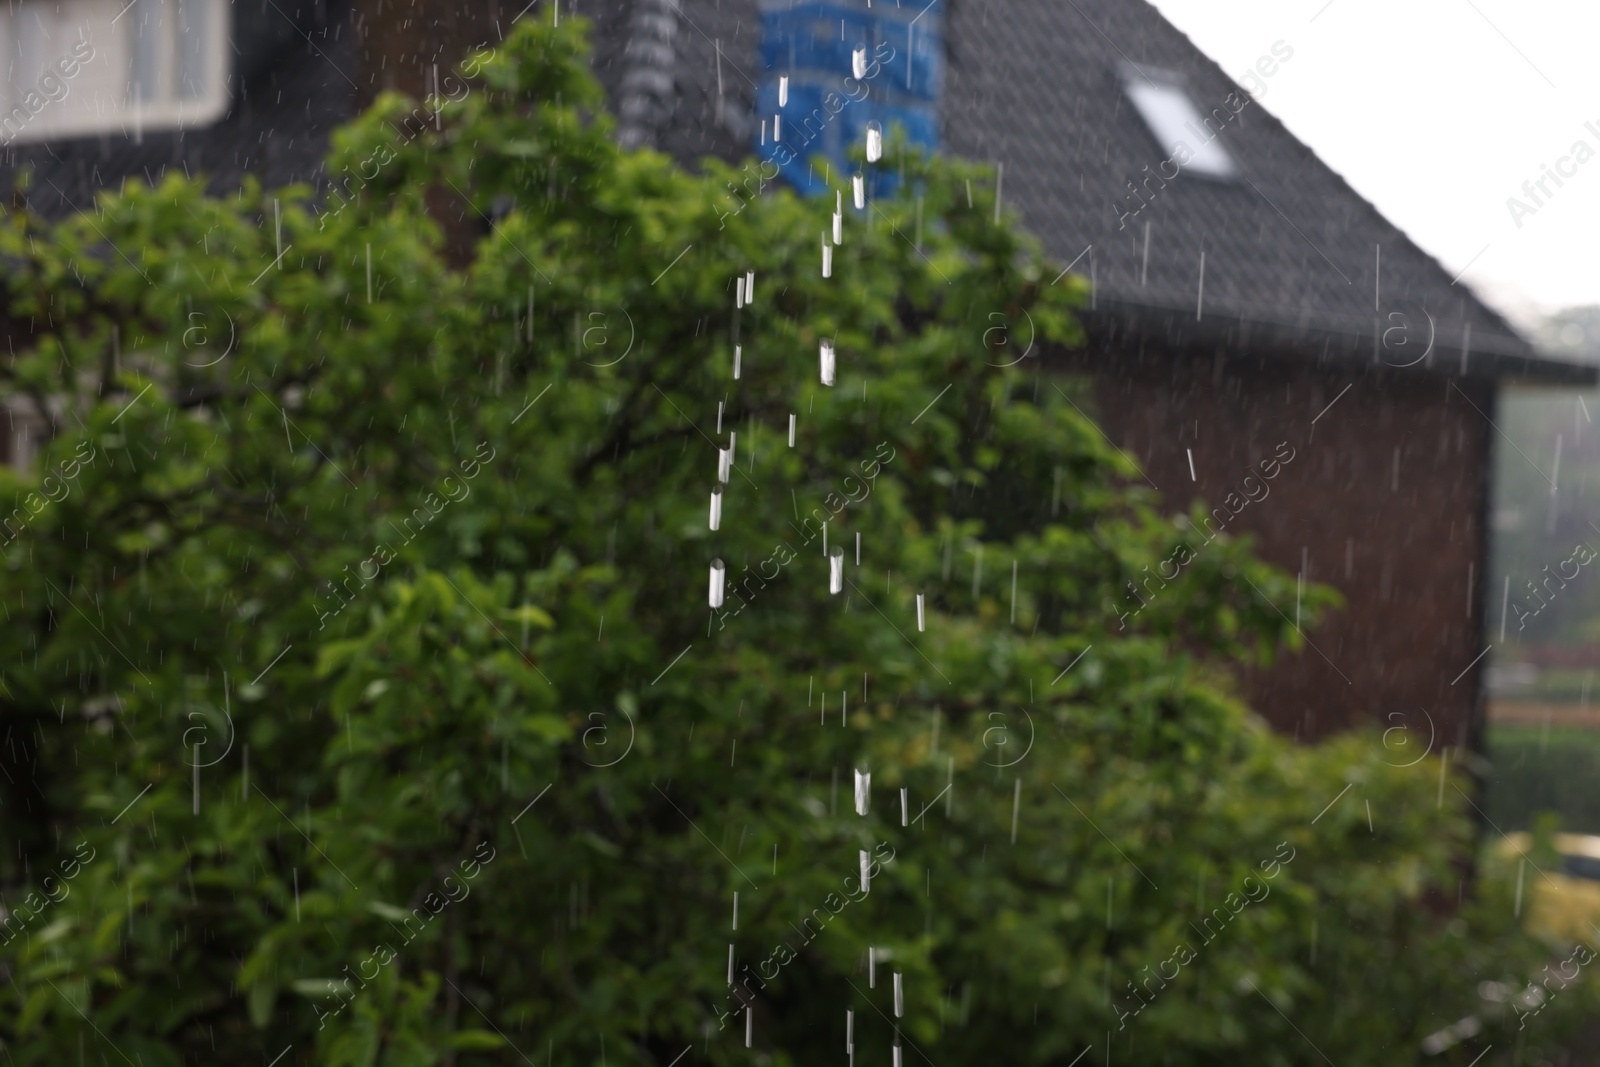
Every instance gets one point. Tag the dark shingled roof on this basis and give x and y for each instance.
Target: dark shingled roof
(1292, 253)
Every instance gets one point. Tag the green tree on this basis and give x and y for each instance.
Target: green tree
(467, 763)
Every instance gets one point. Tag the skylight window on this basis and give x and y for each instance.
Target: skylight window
(1188, 139)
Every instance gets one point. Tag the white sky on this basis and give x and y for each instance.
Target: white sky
(1429, 111)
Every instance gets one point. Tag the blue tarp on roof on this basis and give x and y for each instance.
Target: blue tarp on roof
(828, 109)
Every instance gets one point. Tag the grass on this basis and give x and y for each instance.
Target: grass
(1535, 771)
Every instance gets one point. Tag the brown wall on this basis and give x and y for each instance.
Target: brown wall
(1384, 501)
(400, 41)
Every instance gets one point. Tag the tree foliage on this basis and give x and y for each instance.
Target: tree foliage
(358, 663)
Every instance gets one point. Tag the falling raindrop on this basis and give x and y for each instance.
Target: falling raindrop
(1016, 809)
(858, 62)
(719, 575)
(874, 142)
(749, 1026)
(858, 186)
(827, 257)
(783, 90)
(730, 964)
(899, 997)
(836, 571)
(866, 870)
(716, 507)
(749, 287)
(777, 128)
(920, 625)
(738, 292)
(733, 440)
(904, 804)
(791, 429)
(827, 365)
(724, 464)
(863, 791)
(849, 1032)
(838, 228)
(738, 352)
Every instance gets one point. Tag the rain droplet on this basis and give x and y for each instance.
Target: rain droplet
(858, 62)
(858, 186)
(716, 507)
(724, 464)
(783, 90)
(899, 997)
(737, 352)
(838, 228)
(920, 624)
(827, 365)
(738, 292)
(827, 257)
(874, 142)
(749, 287)
(863, 791)
(836, 570)
(791, 429)
(719, 575)
(733, 441)
(849, 1032)
(777, 128)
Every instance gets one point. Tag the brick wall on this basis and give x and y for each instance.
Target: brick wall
(1385, 501)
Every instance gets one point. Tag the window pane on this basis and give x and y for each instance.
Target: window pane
(144, 70)
(1175, 121)
(192, 26)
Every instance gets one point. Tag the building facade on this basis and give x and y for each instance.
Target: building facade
(1245, 299)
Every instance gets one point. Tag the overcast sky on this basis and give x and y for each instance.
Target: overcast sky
(1437, 111)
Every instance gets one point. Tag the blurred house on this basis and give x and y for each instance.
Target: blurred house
(1247, 302)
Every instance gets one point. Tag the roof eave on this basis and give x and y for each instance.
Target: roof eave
(1494, 356)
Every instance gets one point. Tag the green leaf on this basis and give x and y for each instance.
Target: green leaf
(262, 997)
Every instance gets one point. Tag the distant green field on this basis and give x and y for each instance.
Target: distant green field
(1537, 771)
(1560, 684)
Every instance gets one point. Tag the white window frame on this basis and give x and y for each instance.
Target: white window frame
(80, 68)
